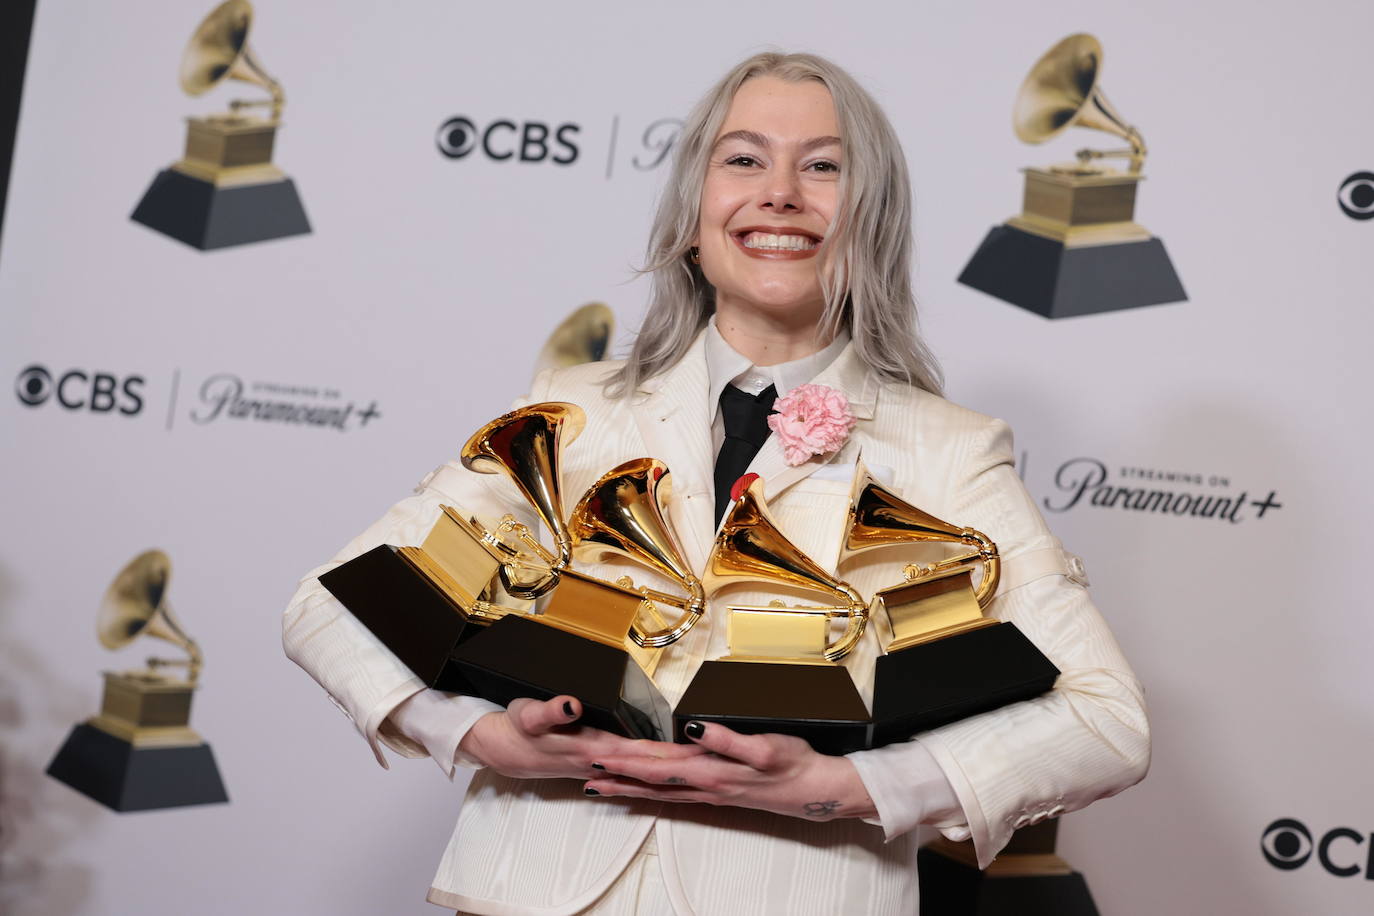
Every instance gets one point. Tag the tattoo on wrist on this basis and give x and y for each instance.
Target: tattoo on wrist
(675, 781)
(820, 808)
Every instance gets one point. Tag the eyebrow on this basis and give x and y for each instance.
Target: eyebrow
(758, 139)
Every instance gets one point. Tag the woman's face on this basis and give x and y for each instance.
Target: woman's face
(771, 188)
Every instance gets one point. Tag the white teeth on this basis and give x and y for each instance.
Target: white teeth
(772, 242)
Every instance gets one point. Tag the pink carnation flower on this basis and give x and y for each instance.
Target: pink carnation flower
(811, 420)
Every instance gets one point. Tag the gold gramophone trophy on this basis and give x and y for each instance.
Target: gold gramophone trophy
(225, 190)
(781, 674)
(1075, 249)
(140, 752)
(593, 639)
(944, 659)
(583, 337)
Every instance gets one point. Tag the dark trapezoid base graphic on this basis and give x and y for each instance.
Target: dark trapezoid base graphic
(127, 778)
(950, 888)
(207, 217)
(1042, 276)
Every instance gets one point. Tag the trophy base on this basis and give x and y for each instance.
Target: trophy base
(411, 616)
(125, 777)
(949, 679)
(1055, 280)
(816, 702)
(518, 656)
(206, 216)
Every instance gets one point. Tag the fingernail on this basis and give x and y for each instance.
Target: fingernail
(597, 766)
(694, 730)
(568, 710)
(590, 791)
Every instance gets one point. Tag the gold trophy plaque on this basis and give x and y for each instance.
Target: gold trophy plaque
(140, 751)
(225, 189)
(1075, 249)
(781, 674)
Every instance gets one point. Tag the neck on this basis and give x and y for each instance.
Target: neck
(770, 339)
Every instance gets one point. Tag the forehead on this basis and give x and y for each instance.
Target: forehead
(782, 109)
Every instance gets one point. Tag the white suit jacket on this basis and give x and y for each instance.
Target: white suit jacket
(541, 847)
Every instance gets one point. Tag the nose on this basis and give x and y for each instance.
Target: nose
(783, 192)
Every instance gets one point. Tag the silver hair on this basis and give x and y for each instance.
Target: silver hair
(867, 255)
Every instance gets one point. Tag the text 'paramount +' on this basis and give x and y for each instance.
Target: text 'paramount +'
(1084, 482)
(223, 396)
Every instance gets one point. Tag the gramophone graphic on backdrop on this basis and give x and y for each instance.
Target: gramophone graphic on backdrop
(225, 190)
(1075, 249)
(140, 751)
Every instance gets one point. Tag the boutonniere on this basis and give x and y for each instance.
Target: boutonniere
(811, 420)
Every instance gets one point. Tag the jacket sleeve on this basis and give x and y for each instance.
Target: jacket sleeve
(359, 675)
(1087, 738)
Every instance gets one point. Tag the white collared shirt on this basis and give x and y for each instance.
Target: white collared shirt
(727, 366)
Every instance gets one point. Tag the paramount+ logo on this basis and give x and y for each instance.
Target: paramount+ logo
(1287, 845)
(80, 390)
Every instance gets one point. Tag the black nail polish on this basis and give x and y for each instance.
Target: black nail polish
(568, 710)
(597, 766)
(694, 730)
(590, 791)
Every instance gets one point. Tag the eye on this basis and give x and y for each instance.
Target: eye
(743, 159)
(824, 166)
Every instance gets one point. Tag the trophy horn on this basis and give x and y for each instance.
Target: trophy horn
(525, 445)
(623, 515)
(750, 547)
(135, 605)
(1062, 91)
(219, 51)
(880, 518)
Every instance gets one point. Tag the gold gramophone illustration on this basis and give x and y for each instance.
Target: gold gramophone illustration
(594, 639)
(583, 337)
(140, 752)
(1076, 248)
(781, 673)
(945, 660)
(225, 190)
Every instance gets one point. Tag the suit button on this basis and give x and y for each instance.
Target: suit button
(1021, 821)
(1038, 816)
(1056, 811)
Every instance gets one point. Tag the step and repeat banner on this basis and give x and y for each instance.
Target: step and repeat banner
(236, 333)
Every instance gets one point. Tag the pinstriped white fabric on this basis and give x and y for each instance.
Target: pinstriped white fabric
(524, 847)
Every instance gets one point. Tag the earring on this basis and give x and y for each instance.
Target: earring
(695, 254)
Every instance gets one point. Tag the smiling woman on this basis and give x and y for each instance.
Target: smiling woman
(780, 259)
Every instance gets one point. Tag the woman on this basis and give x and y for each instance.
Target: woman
(780, 257)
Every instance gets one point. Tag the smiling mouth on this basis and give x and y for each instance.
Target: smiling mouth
(789, 244)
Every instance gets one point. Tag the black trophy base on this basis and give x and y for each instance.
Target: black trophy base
(405, 611)
(206, 217)
(1043, 276)
(127, 778)
(953, 888)
(955, 677)
(517, 656)
(816, 702)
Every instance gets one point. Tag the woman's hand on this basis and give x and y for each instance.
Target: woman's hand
(534, 740)
(777, 773)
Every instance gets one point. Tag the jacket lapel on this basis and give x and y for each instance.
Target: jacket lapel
(848, 375)
(674, 420)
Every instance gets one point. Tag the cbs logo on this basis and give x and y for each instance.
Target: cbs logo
(503, 140)
(1356, 196)
(98, 392)
(1287, 845)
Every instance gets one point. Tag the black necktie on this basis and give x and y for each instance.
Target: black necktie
(746, 429)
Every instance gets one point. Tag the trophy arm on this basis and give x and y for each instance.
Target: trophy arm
(693, 607)
(1136, 153)
(857, 616)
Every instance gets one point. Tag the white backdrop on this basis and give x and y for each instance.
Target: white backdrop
(428, 284)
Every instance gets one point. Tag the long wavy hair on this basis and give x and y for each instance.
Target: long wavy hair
(865, 263)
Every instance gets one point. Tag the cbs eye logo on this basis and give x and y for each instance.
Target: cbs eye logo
(98, 392)
(1356, 196)
(502, 140)
(1287, 845)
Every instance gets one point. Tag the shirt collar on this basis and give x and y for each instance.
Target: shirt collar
(727, 366)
